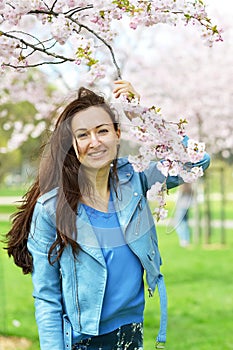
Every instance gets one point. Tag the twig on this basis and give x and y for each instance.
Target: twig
(89, 30)
(33, 65)
(53, 5)
(103, 41)
(37, 48)
(78, 9)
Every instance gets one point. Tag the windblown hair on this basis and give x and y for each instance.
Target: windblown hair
(60, 169)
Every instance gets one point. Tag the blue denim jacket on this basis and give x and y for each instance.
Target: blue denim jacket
(69, 294)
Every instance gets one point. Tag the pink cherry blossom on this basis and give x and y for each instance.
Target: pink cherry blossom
(83, 34)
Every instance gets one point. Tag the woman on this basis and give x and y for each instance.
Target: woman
(183, 203)
(86, 233)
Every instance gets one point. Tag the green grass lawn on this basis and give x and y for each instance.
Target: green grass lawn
(7, 209)
(199, 286)
(12, 191)
(17, 310)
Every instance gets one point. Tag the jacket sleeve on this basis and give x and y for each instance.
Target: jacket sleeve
(173, 181)
(46, 281)
(153, 174)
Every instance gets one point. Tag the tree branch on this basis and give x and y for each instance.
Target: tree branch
(54, 4)
(69, 15)
(33, 65)
(31, 36)
(44, 51)
(45, 4)
(88, 29)
(78, 9)
(103, 41)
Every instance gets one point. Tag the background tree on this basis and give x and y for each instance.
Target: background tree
(81, 34)
(26, 104)
(189, 80)
(193, 82)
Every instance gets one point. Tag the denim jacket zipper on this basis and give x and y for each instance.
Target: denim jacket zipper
(76, 296)
(150, 291)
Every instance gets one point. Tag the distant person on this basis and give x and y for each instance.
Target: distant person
(86, 233)
(183, 204)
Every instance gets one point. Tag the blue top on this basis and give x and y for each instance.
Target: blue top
(124, 294)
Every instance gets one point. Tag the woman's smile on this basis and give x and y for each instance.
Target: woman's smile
(97, 154)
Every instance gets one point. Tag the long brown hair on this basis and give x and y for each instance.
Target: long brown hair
(59, 168)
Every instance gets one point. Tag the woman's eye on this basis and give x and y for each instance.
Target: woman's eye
(103, 131)
(82, 135)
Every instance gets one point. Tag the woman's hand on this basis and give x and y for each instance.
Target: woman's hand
(124, 87)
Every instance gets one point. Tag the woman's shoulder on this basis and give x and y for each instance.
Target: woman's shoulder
(124, 167)
(123, 162)
(46, 203)
(48, 196)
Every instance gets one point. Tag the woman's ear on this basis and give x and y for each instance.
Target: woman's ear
(118, 133)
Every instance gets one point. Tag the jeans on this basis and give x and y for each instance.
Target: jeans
(127, 337)
(182, 226)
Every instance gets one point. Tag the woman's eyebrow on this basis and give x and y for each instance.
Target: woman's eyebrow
(96, 127)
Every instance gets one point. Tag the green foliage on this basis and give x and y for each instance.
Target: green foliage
(12, 162)
(9, 163)
(21, 111)
(85, 53)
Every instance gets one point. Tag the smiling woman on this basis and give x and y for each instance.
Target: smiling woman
(86, 233)
(96, 141)
(96, 137)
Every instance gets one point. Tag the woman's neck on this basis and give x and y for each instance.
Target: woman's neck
(98, 194)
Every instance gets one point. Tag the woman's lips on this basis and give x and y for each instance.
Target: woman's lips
(96, 154)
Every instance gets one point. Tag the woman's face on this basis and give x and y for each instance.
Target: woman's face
(95, 139)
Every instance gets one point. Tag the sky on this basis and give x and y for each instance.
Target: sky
(220, 5)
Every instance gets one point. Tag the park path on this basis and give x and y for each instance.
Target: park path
(8, 200)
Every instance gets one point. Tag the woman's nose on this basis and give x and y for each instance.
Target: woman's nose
(94, 139)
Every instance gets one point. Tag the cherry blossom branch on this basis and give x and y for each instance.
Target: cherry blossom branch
(165, 142)
(54, 4)
(45, 4)
(104, 42)
(35, 38)
(34, 48)
(63, 22)
(55, 14)
(33, 65)
(78, 9)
